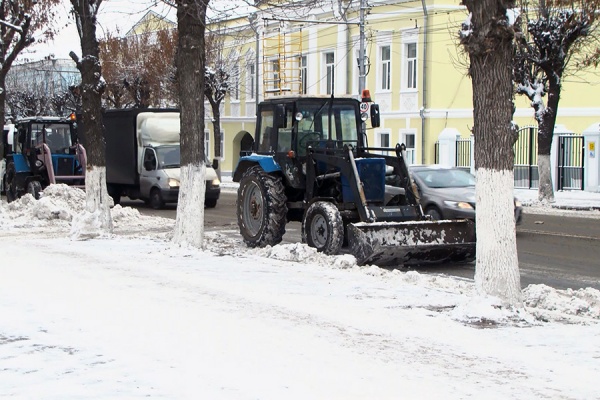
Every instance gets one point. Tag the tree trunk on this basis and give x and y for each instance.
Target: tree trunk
(546, 124)
(189, 225)
(490, 51)
(217, 129)
(96, 219)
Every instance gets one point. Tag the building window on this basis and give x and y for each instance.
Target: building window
(386, 64)
(382, 139)
(330, 72)
(275, 70)
(303, 75)
(409, 140)
(411, 65)
(251, 80)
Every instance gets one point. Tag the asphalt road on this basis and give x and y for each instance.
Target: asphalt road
(562, 252)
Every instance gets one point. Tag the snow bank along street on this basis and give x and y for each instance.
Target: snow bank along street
(132, 316)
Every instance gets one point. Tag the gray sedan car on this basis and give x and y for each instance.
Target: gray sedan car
(449, 193)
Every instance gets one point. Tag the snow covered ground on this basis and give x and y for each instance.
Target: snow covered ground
(134, 316)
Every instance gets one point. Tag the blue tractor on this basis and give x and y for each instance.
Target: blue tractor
(310, 162)
(43, 151)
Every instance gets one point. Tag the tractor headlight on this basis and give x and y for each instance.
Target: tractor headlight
(364, 117)
(39, 163)
(173, 182)
(459, 204)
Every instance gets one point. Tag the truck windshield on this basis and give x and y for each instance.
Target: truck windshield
(315, 120)
(168, 156)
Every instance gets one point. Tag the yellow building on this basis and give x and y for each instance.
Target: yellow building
(416, 72)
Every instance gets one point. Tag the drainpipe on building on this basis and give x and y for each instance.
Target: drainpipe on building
(424, 101)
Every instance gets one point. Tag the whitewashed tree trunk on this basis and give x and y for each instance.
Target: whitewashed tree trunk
(545, 187)
(189, 225)
(488, 38)
(496, 269)
(96, 219)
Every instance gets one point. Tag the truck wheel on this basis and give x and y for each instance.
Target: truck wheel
(34, 188)
(210, 203)
(11, 183)
(261, 208)
(156, 200)
(323, 227)
(115, 193)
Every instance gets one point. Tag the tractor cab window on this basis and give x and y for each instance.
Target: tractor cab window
(56, 136)
(266, 130)
(316, 120)
(284, 134)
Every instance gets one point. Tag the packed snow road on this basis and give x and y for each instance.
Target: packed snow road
(557, 250)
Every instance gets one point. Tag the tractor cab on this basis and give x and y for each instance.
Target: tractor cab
(44, 151)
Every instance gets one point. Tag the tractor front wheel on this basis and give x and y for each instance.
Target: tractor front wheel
(261, 208)
(323, 228)
(34, 188)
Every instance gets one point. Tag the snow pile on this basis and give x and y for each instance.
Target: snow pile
(56, 207)
(298, 252)
(59, 206)
(582, 302)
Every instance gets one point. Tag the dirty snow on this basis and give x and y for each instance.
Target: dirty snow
(133, 315)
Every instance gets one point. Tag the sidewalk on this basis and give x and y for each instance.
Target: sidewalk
(577, 200)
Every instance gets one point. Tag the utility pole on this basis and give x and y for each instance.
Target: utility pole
(361, 48)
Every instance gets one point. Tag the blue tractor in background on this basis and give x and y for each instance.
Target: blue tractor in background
(310, 162)
(43, 151)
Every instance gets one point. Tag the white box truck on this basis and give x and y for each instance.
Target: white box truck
(142, 157)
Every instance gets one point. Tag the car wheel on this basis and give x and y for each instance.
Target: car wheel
(434, 213)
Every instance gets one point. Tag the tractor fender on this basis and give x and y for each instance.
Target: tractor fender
(267, 163)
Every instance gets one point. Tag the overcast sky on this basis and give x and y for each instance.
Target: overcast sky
(113, 15)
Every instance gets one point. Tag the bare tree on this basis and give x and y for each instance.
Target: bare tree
(191, 23)
(488, 38)
(27, 103)
(97, 219)
(19, 20)
(555, 33)
(222, 76)
(139, 69)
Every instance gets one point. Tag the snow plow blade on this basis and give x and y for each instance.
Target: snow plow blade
(412, 243)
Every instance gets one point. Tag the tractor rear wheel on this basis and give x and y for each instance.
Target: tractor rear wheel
(261, 208)
(34, 188)
(323, 228)
(11, 183)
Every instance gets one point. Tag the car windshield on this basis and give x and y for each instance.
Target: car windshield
(445, 178)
